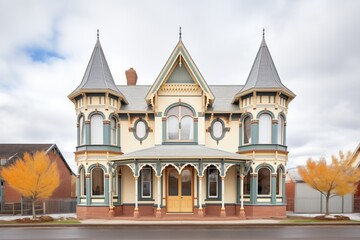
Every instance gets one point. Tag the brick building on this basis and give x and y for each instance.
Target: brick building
(12, 152)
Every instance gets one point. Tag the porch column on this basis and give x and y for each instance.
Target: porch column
(111, 207)
(136, 210)
(222, 212)
(242, 211)
(158, 210)
(200, 212)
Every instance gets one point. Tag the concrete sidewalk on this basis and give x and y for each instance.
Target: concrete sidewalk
(179, 222)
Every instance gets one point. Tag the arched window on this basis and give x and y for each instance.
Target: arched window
(82, 130)
(96, 128)
(279, 180)
(217, 129)
(264, 181)
(247, 130)
(265, 129)
(97, 181)
(180, 124)
(113, 131)
(281, 132)
(82, 182)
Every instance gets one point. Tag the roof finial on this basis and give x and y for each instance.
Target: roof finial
(263, 32)
(98, 34)
(180, 33)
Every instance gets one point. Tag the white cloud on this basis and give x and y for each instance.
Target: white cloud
(314, 45)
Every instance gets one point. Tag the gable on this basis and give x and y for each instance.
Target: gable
(180, 74)
(180, 69)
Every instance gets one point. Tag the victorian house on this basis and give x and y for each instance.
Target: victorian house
(181, 145)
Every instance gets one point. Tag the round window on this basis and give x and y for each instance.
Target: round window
(140, 129)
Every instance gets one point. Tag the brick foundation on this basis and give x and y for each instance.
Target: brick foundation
(232, 210)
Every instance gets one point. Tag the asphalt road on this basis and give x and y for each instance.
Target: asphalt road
(166, 232)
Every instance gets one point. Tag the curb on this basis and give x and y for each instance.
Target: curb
(176, 225)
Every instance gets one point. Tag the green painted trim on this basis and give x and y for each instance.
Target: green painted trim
(96, 112)
(273, 189)
(238, 188)
(92, 166)
(254, 133)
(106, 135)
(159, 114)
(274, 133)
(200, 114)
(218, 198)
(151, 198)
(87, 134)
(88, 190)
(180, 75)
(180, 104)
(266, 165)
(223, 129)
(243, 116)
(167, 66)
(147, 129)
(118, 133)
(98, 148)
(196, 131)
(253, 189)
(106, 190)
(161, 187)
(266, 112)
(252, 147)
(285, 135)
(240, 136)
(163, 131)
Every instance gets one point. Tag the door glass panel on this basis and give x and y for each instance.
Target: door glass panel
(186, 183)
(173, 183)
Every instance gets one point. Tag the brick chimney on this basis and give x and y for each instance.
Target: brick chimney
(131, 76)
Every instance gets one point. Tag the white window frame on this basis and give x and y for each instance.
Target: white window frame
(96, 129)
(265, 129)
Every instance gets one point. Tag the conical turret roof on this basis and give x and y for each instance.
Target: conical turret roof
(263, 75)
(97, 76)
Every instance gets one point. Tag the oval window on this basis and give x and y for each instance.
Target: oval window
(140, 129)
(217, 129)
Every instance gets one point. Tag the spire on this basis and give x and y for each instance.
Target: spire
(180, 33)
(263, 74)
(97, 76)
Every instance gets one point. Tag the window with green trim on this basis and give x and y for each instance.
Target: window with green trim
(97, 181)
(180, 124)
(213, 183)
(217, 129)
(146, 183)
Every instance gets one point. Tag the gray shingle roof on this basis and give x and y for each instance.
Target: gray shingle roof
(223, 97)
(97, 75)
(180, 151)
(263, 74)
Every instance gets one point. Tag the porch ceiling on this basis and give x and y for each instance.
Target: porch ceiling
(180, 152)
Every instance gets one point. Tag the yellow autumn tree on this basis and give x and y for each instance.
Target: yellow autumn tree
(34, 176)
(337, 178)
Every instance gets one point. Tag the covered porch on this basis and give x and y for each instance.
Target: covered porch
(180, 181)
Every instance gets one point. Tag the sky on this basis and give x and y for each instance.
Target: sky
(46, 46)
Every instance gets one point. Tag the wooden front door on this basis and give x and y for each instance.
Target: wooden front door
(180, 191)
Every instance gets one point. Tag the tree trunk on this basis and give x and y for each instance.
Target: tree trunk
(327, 205)
(33, 209)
